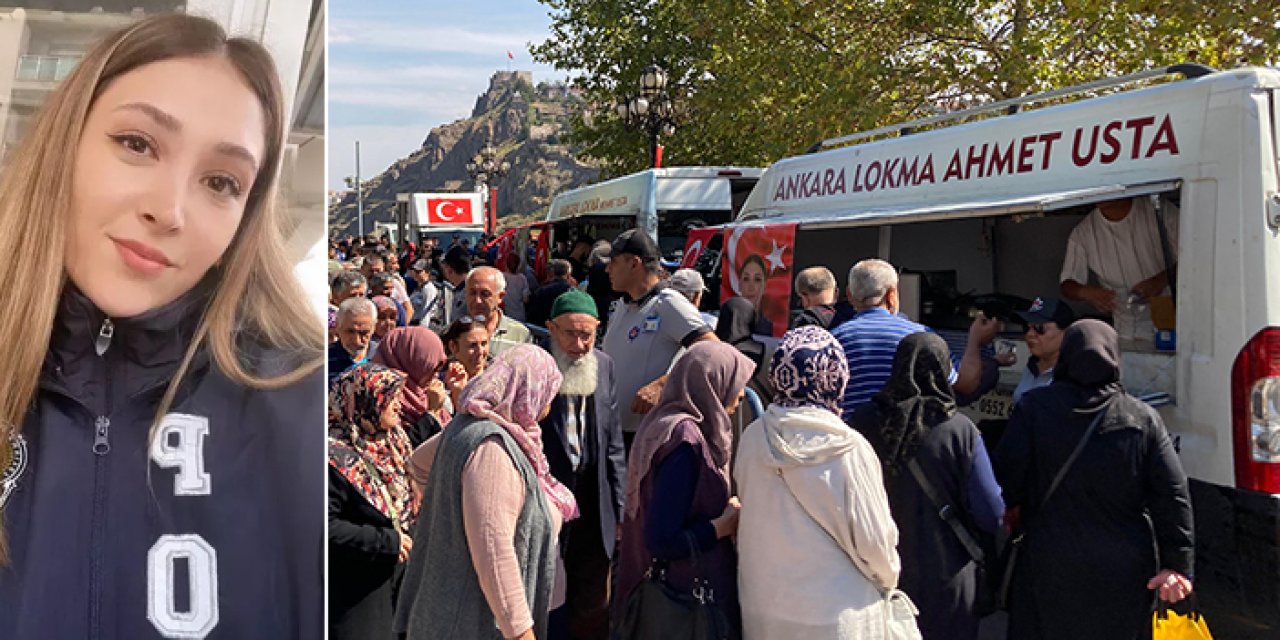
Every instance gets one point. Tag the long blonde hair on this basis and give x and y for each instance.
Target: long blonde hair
(256, 297)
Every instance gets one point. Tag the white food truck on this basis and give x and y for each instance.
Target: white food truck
(665, 202)
(982, 202)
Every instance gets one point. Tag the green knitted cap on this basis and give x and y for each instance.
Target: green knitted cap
(574, 301)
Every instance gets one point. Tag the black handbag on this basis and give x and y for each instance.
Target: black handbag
(1010, 556)
(657, 611)
(984, 601)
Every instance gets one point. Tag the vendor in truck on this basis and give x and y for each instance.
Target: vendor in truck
(1046, 320)
(1119, 243)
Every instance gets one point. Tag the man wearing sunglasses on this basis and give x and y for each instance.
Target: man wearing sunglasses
(1046, 320)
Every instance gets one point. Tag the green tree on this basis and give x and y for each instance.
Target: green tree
(762, 79)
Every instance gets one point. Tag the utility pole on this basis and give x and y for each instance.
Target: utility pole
(359, 193)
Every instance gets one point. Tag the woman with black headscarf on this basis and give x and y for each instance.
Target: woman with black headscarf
(1119, 515)
(913, 421)
(736, 326)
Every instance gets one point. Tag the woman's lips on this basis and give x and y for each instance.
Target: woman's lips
(141, 258)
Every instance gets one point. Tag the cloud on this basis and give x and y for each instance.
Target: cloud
(445, 91)
(394, 75)
(448, 104)
(366, 74)
(380, 146)
(438, 93)
(393, 36)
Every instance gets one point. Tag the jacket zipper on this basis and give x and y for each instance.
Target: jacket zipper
(101, 447)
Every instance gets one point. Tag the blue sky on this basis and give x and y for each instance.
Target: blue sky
(397, 68)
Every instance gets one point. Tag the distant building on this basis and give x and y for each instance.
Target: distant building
(40, 47)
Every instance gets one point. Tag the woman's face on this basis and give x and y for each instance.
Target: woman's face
(386, 322)
(391, 413)
(162, 174)
(735, 403)
(1044, 345)
(752, 282)
(472, 349)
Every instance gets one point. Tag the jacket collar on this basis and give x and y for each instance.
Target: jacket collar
(155, 340)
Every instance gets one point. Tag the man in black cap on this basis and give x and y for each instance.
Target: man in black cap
(1046, 320)
(647, 327)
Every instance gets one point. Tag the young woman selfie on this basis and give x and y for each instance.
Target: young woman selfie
(161, 458)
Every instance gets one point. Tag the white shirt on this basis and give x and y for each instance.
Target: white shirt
(1120, 254)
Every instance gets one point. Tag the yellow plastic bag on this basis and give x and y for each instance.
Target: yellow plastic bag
(1167, 624)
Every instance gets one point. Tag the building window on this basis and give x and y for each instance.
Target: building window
(46, 68)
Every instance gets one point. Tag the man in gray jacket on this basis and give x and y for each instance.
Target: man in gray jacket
(582, 438)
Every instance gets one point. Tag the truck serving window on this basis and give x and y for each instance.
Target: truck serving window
(999, 257)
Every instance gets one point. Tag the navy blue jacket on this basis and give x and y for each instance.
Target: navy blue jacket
(214, 531)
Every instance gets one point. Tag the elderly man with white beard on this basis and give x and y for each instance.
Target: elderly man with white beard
(582, 437)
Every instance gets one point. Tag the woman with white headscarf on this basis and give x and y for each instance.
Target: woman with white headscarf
(816, 541)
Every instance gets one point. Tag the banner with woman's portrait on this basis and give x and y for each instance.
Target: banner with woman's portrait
(757, 266)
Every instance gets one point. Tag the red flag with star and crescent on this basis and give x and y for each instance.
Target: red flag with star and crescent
(450, 211)
(695, 243)
(757, 266)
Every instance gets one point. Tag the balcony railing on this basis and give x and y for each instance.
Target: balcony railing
(46, 68)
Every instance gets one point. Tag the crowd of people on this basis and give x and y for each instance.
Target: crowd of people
(522, 458)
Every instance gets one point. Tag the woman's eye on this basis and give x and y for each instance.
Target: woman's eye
(224, 186)
(133, 143)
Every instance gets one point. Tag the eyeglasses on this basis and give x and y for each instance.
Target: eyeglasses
(1038, 327)
(472, 319)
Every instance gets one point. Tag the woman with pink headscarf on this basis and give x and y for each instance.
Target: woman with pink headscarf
(678, 492)
(485, 543)
(418, 353)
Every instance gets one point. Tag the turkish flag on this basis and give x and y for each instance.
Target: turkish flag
(505, 244)
(449, 211)
(696, 242)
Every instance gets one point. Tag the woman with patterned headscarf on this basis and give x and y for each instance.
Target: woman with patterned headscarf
(816, 542)
(913, 421)
(485, 546)
(371, 506)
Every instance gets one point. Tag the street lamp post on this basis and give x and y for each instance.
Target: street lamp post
(402, 216)
(354, 183)
(486, 170)
(652, 111)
